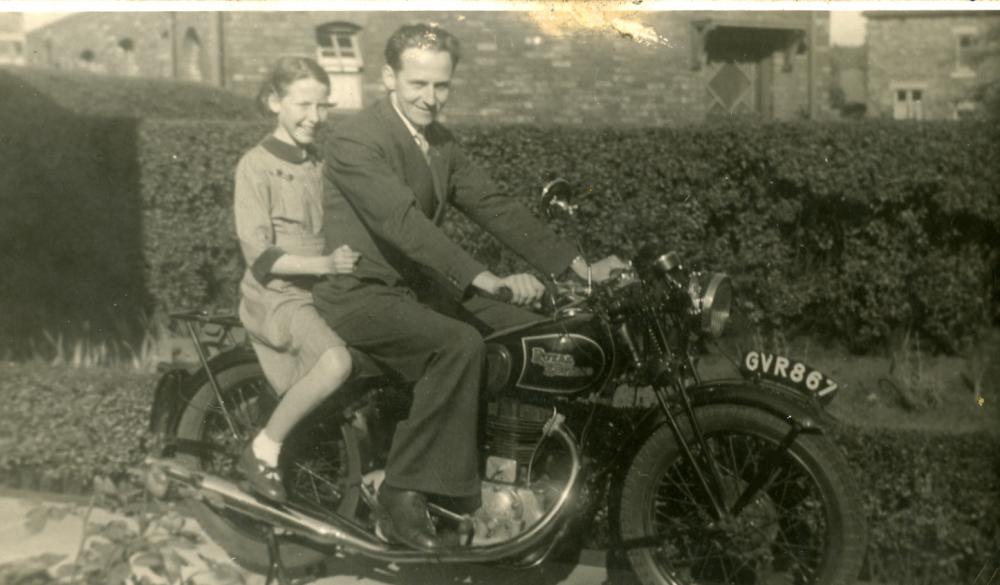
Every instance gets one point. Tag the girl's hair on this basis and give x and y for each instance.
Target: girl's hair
(285, 72)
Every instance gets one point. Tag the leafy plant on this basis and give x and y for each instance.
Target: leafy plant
(930, 499)
(65, 425)
(148, 542)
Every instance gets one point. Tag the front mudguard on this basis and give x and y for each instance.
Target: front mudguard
(179, 383)
(787, 404)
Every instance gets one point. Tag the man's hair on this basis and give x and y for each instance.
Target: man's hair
(420, 36)
(285, 72)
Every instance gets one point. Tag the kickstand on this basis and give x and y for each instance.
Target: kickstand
(276, 570)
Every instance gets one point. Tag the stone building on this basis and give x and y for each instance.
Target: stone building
(12, 38)
(646, 68)
(928, 65)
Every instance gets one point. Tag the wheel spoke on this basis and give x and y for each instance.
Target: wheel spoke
(315, 477)
(778, 537)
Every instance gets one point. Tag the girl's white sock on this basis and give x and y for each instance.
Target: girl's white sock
(266, 449)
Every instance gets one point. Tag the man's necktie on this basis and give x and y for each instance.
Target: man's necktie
(425, 147)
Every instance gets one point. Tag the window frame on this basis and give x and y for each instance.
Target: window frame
(966, 109)
(915, 105)
(962, 67)
(343, 59)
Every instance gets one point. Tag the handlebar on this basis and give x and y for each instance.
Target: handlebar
(547, 304)
(503, 294)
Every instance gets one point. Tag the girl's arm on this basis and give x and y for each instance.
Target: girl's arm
(252, 210)
(341, 261)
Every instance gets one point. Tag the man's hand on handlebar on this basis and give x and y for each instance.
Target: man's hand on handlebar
(525, 289)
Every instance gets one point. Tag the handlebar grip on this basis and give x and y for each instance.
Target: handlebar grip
(503, 294)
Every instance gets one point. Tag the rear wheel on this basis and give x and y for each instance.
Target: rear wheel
(804, 526)
(320, 463)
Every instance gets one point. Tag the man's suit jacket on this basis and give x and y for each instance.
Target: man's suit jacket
(374, 165)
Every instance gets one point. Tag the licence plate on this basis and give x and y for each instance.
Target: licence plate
(788, 371)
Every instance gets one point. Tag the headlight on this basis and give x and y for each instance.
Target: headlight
(712, 296)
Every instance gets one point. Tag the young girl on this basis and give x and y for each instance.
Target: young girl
(279, 219)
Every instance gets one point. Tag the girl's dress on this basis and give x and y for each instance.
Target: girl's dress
(278, 206)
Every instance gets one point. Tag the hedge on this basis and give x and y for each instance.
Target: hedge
(931, 498)
(856, 233)
(71, 230)
(933, 502)
(853, 232)
(88, 95)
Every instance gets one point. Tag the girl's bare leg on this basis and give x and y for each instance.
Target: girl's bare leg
(329, 373)
(260, 458)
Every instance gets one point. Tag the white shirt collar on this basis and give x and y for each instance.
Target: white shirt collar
(409, 125)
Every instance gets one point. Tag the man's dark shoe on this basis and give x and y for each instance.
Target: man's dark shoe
(403, 518)
(263, 479)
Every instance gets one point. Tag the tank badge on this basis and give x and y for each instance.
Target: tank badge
(558, 365)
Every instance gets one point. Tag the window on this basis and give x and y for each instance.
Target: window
(337, 47)
(965, 109)
(339, 53)
(966, 44)
(908, 103)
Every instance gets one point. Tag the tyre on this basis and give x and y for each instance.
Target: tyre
(804, 527)
(320, 463)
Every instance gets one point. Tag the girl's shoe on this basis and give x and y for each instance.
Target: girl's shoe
(263, 479)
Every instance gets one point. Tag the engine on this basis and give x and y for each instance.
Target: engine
(513, 430)
(511, 504)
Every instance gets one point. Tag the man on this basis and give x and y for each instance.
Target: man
(399, 170)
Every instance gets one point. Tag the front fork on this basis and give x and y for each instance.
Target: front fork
(706, 468)
(710, 480)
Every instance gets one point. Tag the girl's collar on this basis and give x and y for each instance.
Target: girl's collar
(288, 152)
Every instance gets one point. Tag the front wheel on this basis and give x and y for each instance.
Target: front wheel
(804, 526)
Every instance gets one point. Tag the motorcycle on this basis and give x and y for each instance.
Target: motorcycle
(730, 481)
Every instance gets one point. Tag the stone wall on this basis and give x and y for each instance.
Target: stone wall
(62, 44)
(919, 50)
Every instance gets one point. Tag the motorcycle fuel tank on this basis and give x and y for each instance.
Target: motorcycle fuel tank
(565, 356)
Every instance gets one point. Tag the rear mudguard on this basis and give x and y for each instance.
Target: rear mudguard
(176, 387)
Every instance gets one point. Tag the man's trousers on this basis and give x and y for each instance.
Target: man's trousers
(435, 449)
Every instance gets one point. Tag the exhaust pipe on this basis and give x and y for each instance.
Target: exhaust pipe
(220, 493)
